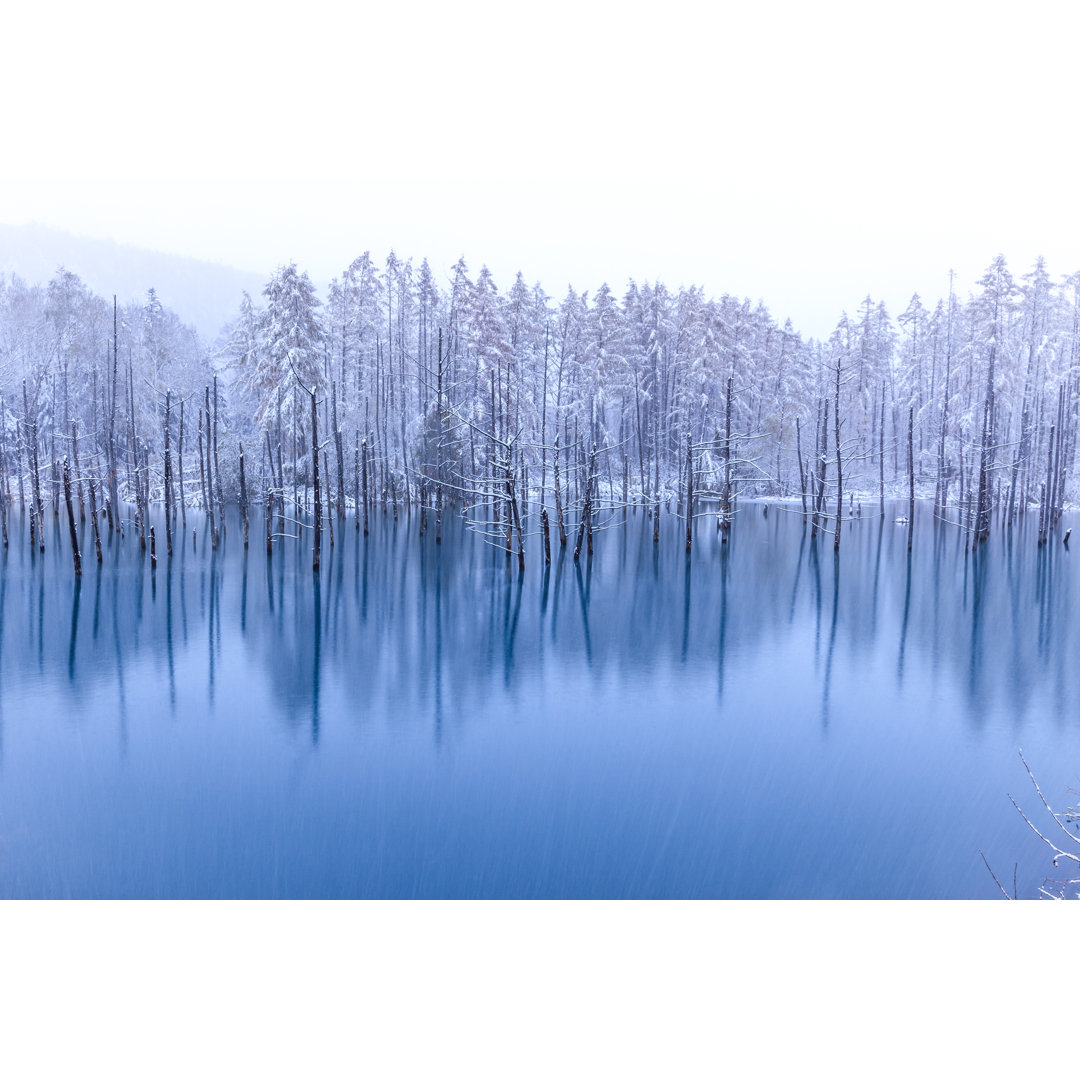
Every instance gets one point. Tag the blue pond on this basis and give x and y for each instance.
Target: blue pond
(761, 720)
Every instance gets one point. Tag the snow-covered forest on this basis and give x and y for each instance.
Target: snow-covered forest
(429, 392)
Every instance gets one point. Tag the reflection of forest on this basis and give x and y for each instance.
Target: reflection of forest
(402, 628)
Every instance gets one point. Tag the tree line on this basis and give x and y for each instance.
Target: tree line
(533, 415)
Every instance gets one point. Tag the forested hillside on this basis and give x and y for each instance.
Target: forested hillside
(203, 294)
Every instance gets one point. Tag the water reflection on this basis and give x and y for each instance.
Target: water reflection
(689, 685)
(727, 593)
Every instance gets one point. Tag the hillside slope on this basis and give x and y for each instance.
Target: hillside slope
(204, 295)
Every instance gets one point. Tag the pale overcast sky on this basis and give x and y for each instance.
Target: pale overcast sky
(803, 153)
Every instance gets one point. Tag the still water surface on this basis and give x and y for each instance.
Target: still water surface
(762, 720)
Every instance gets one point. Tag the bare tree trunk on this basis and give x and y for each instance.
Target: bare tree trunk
(911, 475)
(3, 452)
(340, 452)
(364, 465)
(329, 499)
(982, 522)
(726, 505)
(802, 473)
(53, 466)
(180, 463)
(94, 520)
(689, 493)
(3, 493)
(839, 464)
(1044, 508)
(133, 461)
(656, 478)
(30, 428)
(516, 519)
(78, 471)
(1055, 508)
(39, 506)
(168, 476)
(823, 462)
(586, 513)
(270, 513)
(356, 483)
(202, 467)
(114, 496)
(881, 455)
(75, 555)
(210, 475)
(591, 488)
(19, 467)
(507, 480)
(217, 470)
(317, 547)
(243, 498)
(558, 494)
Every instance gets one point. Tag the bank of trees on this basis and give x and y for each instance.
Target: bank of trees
(521, 408)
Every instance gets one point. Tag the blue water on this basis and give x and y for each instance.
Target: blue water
(762, 720)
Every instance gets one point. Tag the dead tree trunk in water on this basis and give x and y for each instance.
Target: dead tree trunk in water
(558, 494)
(364, 465)
(911, 474)
(982, 507)
(78, 471)
(340, 452)
(168, 476)
(329, 498)
(823, 463)
(180, 466)
(19, 469)
(839, 464)
(30, 427)
(689, 493)
(243, 498)
(114, 496)
(592, 487)
(217, 470)
(38, 504)
(1044, 509)
(656, 480)
(802, 473)
(134, 480)
(1055, 503)
(317, 547)
(356, 483)
(94, 520)
(586, 511)
(210, 476)
(881, 455)
(941, 492)
(275, 490)
(75, 555)
(202, 467)
(507, 481)
(53, 465)
(516, 517)
(440, 434)
(270, 513)
(3, 494)
(726, 508)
